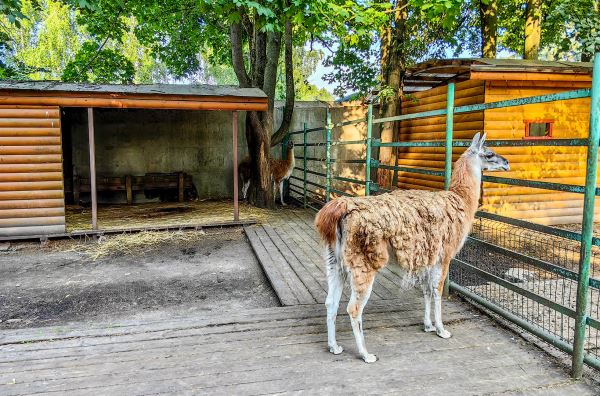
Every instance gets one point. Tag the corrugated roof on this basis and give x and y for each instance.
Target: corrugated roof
(436, 72)
(142, 89)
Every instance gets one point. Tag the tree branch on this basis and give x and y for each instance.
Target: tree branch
(237, 55)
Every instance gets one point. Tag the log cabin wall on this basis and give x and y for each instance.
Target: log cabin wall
(31, 174)
(552, 164)
(433, 128)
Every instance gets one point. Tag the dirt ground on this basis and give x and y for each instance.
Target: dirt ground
(60, 283)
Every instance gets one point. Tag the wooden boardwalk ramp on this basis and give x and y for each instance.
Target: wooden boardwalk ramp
(284, 349)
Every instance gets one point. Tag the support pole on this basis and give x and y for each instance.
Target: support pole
(328, 158)
(236, 207)
(305, 166)
(587, 224)
(448, 157)
(368, 150)
(284, 144)
(92, 147)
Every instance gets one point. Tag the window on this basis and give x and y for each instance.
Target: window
(538, 129)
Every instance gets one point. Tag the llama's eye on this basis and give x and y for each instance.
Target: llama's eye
(489, 155)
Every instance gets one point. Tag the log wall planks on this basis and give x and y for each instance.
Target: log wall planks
(433, 128)
(31, 177)
(552, 164)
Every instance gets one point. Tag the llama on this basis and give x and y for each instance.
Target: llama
(281, 170)
(423, 229)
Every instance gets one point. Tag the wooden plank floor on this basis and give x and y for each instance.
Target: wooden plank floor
(292, 256)
(279, 350)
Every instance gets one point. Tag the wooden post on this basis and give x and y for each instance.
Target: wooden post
(128, 189)
(180, 186)
(92, 148)
(236, 209)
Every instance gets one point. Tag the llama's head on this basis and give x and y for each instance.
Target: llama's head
(290, 144)
(488, 159)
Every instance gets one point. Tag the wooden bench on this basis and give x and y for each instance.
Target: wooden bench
(149, 183)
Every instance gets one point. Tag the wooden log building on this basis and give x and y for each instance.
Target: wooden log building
(32, 196)
(491, 80)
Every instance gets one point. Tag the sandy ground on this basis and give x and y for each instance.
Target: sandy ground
(54, 284)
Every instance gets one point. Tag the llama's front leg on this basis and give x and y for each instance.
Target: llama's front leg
(281, 192)
(335, 283)
(245, 189)
(439, 326)
(358, 299)
(427, 325)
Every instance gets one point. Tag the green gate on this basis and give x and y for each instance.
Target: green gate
(544, 279)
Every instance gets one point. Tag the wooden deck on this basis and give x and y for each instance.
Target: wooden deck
(284, 349)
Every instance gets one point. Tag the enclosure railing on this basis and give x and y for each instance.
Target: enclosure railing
(539, 308)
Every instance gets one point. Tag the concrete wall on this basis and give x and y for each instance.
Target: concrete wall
(136, 142)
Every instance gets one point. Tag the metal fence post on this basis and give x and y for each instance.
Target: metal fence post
(304, 178)
(328, 158)
(588, 224)
(448, 157)
(284, 143)
(368, 150)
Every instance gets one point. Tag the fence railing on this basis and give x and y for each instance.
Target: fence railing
(558, 261)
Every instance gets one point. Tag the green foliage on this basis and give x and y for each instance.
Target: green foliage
(306, 62)
(95, 65)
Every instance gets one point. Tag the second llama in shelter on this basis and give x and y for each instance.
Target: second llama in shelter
(423, 229)
(281, 170)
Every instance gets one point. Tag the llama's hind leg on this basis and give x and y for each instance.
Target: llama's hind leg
(281, 192)
(335, 283)
(435, 279)
(245, 188)
(361, 291)
(427, 325)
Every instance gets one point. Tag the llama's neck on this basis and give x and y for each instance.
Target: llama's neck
(290, 160)
(466, 181)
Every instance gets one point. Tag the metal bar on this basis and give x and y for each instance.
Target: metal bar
(490, 143)
(345, 142)
(537, 184)
(587, 228)
(575, 236)
(340, 192)
(449, 130)
(368, 150)
(347, 161)
(312, 159)
(448, 158)
(349, 180)
(317, 144)
(535, 330)
(236, 207)
(576, 94)
(424, 114)
(316, 173)
(506, 284)
(92, 148)
(304, 165)
(308, 182)
(318, 129)
(344, 123)
(412, 170)
(328, 158)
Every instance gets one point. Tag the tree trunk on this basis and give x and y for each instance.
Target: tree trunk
(290, 90)
(258, 135)
(393, 64)
(488, 11)
(533, 29)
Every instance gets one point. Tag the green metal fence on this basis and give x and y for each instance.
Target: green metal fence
(544, 279)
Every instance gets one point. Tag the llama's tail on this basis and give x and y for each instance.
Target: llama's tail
(328, 220)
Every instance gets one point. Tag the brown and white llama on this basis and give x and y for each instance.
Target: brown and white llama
(281, 170)
(424, 230)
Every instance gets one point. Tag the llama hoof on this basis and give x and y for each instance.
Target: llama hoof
(428, 328)
(370, 358)
(283, 204)
(336, 349)
(443, 333)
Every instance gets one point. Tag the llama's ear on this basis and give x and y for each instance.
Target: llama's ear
(475, 142)
(482, 140)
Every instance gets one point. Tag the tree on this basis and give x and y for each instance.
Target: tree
(488, 10)
(533, 29)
